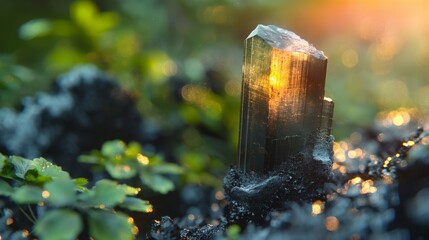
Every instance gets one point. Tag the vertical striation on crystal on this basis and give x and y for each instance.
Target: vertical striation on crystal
(282, 104)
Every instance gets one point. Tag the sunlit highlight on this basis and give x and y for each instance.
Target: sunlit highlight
(25, 233)
(356, 180)
(45, 194)
(408, 144)
(142, 159)
(317, 207)
(219, 195)
(332, 224)
(191, 217)
(215, 207)
(149, 210)
(367, 187)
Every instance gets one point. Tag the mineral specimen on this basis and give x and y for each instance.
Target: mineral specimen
(283, 109)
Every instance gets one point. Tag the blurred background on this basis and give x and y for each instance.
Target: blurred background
(181, 60)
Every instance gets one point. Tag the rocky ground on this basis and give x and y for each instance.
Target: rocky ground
(376, 188)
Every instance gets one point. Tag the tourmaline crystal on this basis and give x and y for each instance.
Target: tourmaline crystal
(283, 109)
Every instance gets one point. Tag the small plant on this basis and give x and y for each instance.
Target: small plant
(124, 161)
(64, 204)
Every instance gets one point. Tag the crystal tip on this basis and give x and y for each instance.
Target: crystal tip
(285, 40)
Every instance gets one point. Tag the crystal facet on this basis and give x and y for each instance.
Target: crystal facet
(283, 109)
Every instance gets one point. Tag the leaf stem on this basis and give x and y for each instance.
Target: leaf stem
(26, 215)
(31, 212)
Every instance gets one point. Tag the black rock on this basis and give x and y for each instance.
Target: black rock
(184, 229)
(394, 207)
(251, 197)
(164, 229)
(84, 109)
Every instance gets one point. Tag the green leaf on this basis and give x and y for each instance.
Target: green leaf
(106, 21)
(121, 171)
(61, 192)
(167, 168)
(157, 183)
(2, 161)
(44, 171)
(5, 189)
(8, 170)
(48, 169)
(109, 226)
(131, 191)
(195, 161)
(80, 181)
(106, 193)
(27, 194)
(156, 159)
(62, 28)
(133, 149)
(233, 232)
(80, 184)
(90, 159)
(136, 204)
(35, 28)
(59, 224)
(113, 148)
(83, 12)
(64, 56)
(21, 166)
(33, 176)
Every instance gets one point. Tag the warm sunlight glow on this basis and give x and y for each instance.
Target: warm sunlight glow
(367, 187)
(25, 233)
(45, 194)
(149, 210)
(332, 224)
(408, 144)
(356, 180)
(142, 159)
(317, 207)
(219, 195)
(350, 58)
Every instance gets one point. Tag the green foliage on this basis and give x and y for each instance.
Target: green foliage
(27, 194)
(60, 224)
(181, 60)
(67, 201)
(105, 194)
(109, 225)
(37, 171)
(84, 30)
(35, 28)
(145, 43)
(135, 204)
(233, 232)
(12, 77)
(124, 161)
(157, 183)
(5, 189)
(61, 192)
(137, 42)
